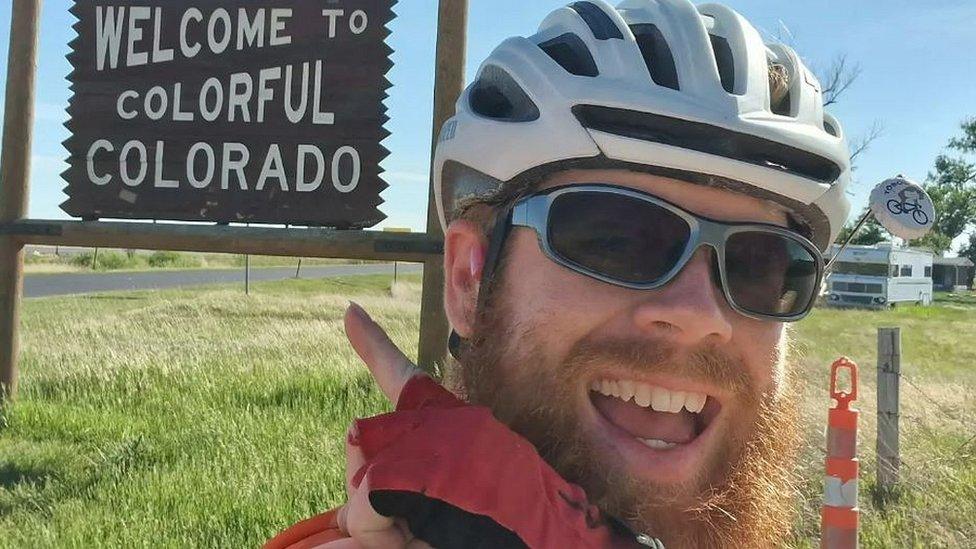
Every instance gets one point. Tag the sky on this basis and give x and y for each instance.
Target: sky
(917, 81)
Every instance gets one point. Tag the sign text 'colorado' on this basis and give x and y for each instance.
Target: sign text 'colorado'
(229, 110)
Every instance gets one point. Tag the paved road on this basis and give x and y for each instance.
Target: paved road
(41, 285)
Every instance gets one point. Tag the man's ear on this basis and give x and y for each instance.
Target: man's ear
(465, 247)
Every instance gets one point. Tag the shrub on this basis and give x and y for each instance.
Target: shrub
(168, 259)
(108, 260)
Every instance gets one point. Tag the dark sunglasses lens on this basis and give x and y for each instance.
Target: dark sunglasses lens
(617, 236)
(770, 274)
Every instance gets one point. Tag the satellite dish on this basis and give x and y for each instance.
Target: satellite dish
(903, 208)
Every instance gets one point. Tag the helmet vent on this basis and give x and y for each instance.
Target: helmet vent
(657, 55)
(571, 53)
(498, 96)
(707, 139)
(829, 128)
(724, 61)
(600, 24)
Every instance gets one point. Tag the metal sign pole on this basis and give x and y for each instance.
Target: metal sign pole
(452, 26)
(15, 178)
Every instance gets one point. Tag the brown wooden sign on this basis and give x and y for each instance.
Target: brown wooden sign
(229, 110)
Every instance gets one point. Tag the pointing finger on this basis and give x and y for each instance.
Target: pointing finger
(389, 366)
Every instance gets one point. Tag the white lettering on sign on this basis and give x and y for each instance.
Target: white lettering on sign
(241, 97)
(356, 169)
(191, 159)
(189, 51)
(108, 36)
(179, 115)
(265, 93)
(222, 29)
(159, 55)
(136, 14)
(159, 181)
(92, 151)
(278, 15)
(124, 163)
(358, 21)
(273, 166)
(295, 115)
(333, 16)
(120, 105)
(235, 159)
(229, 111)
(301, 185)
(318, 116)
(251, 30)
(156, 113)
(221, 16)
(211, 113)
(236, 165)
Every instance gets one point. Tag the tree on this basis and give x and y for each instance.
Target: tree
(969, 249)
(835, 80)
(952, 187)
(870, 233)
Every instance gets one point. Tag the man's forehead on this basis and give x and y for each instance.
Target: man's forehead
(711, 202)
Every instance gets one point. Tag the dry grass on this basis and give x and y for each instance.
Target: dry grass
(206, 418)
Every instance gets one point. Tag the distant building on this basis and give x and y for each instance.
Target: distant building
(953, 273)
(879, 276)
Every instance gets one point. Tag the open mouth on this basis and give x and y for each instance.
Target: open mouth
(661, 419)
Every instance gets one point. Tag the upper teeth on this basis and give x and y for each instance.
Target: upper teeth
(657, 398)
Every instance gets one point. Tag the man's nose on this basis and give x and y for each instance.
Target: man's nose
(691, 308)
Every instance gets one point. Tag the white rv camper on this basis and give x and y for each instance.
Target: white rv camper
(879, 276)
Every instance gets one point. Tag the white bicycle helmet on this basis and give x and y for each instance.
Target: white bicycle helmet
(660, 86)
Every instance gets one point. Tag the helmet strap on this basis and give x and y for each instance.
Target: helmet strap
(496, 244)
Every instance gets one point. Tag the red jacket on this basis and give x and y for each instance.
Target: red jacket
(460, 478)
(309, 533)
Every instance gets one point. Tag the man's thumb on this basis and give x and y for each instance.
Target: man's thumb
(390, 367)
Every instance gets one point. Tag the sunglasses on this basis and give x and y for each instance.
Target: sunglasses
(635, 240)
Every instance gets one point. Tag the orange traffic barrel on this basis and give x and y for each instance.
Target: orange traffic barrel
(839, 517)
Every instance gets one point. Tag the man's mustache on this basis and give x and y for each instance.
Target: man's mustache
(706, 364)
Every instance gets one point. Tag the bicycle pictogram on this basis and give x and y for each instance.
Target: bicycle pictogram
(907, 206)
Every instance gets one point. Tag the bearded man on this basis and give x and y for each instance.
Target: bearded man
(635, 202)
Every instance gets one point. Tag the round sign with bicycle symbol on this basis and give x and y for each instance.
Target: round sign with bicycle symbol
(903, 207)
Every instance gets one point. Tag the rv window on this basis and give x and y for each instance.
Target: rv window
(906, 270)
(894, 271)
(869, 269)
(928, 271)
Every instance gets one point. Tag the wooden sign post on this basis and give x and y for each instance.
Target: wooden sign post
(452, 24)
(15, 178)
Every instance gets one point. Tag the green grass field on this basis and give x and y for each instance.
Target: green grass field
(206, 418)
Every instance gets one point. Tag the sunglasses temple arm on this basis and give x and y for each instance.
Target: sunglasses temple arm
(499, 235)
(847, 241)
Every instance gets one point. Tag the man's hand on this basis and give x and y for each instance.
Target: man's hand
(454, 473)
(391, 369)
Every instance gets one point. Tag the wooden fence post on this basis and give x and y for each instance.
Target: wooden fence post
(247, 275)
(18, 126)
(889, 376)
(452, 26)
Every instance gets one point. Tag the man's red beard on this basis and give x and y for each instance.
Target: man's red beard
(743, 497)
